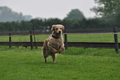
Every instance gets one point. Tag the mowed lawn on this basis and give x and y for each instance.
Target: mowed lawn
(19, 63)
(71, 38)
(72, 64)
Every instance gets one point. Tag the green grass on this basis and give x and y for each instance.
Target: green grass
(90, 38)
(71, 38)
(72, 64)
(19, 63)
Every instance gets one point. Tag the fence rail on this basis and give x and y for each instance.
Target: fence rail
(70, 44)
(33, 43)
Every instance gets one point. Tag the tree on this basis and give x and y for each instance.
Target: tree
(106, 7)
(109, 9)
(6, 14)
(75, 14)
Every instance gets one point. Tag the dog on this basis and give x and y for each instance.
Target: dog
(54, 43)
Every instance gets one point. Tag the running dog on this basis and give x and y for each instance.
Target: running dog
(54, 44)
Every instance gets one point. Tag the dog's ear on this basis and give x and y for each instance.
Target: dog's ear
(53, 28)
(62, 28)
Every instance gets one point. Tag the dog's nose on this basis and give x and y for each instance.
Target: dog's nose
(59, 32)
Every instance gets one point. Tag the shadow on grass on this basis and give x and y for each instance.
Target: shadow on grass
(39, 63)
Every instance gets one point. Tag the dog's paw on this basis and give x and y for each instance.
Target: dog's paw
(54, 51)
(61, 49)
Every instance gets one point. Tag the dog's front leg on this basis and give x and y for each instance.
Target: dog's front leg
(53, 49)
(62, 48)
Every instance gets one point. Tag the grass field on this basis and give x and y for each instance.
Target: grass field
(71, 38)
(73, 64)
(19, 63)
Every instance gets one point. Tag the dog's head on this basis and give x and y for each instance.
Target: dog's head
(58, 29)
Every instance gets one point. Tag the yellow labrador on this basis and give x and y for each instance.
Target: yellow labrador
(54, 44)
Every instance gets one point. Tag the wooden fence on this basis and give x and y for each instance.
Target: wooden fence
(67, 44)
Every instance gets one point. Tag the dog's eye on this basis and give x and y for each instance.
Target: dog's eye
(61, 28)
(56, 28)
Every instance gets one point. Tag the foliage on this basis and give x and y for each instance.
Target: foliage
(75, 14)
(109, 10)
(36, 24)
(107, 7)
(6, 14)
(75, 21)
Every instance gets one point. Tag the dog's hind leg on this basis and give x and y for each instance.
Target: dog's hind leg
(45, 59)
(45, 54)
(54, 57)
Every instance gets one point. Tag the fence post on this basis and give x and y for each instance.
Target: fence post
(34, 39)
(10, 40)
(65, 39)
(31, 40)
(116, 40)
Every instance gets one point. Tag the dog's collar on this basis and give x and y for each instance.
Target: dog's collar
(55, 37)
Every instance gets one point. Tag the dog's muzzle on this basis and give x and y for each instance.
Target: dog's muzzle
(59, 32)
